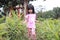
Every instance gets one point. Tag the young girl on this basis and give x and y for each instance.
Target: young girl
(30, 18)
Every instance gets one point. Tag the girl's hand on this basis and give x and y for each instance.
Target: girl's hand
(24, 22)
(37, 21)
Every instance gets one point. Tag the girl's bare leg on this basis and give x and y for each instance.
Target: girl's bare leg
(34, 37)
(33, 34)
(29, 33)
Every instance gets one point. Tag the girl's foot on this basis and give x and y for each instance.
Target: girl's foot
(33, 37)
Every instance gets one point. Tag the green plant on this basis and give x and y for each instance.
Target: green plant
(48, 30)
(13, 29)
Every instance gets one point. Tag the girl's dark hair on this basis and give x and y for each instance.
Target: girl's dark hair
(30, 6)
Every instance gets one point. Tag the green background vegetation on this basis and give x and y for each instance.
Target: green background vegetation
(13, 28)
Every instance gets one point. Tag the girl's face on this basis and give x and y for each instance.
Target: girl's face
(30, 11)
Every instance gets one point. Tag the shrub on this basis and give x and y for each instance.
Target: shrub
(13, 29)
(48, 30)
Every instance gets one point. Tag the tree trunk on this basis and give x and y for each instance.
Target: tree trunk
(25, 7)
(10, 13)
(19, 13)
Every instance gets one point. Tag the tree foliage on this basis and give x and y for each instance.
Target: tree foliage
(55, 13)
(13, 2)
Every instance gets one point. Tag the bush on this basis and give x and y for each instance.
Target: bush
(48, 30)
(13, 29)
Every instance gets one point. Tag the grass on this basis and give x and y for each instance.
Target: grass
(13, 29)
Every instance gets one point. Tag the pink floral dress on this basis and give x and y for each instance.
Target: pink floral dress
(31, 18)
